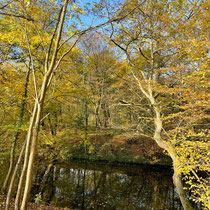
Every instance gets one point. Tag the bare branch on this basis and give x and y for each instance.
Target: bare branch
(44, 117)
(140, 86)
(32, 64)
(18, 16)
(143, 54)
(51, 40)
(118, 45)
(42, 42)
(61, 22)
(5, 5)
(98, 26)
(67, 52)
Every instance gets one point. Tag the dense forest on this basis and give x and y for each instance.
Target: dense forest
(124, 81)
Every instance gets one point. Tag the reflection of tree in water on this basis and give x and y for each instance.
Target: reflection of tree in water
(110, 188)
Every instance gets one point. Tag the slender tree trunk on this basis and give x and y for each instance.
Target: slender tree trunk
(106, 115)
(25, 165)
(86, 114)
(35, 124)
(177, 179)
(97, 114)
(46, 176)
(31, 158)
(16, 134)
(14, 176)
(11, 164)
(31, 148)
(56, 124)
(165, 145)
(51, 127)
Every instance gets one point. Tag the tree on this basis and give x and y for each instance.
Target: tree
(167, 59)
(14, 67)
(33, 34)
(99, 63)
(161, 40)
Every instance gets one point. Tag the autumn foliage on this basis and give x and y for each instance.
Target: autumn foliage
(145, 72)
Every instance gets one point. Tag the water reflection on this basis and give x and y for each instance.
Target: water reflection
(88, 186)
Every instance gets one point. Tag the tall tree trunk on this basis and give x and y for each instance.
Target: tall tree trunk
(16, 134)
(177, 179)
(148, 93)
(106, 114)
(12, 181)
(35, 123)
(31, 158)
(86, 114)
(25, 165)
(97, 115)
(11, 163)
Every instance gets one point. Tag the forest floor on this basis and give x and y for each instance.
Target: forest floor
(31, 206)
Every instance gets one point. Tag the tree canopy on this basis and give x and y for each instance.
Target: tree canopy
(69, 68)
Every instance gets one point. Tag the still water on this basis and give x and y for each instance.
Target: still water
(83, 185)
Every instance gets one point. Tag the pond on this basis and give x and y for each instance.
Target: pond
(83, 185)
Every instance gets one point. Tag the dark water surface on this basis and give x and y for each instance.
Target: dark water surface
(83, 185)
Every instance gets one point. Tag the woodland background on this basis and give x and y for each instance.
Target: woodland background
(107, 80)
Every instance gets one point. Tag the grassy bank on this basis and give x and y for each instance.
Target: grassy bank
(115, 148)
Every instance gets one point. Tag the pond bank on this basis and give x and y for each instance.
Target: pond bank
(118, 149)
